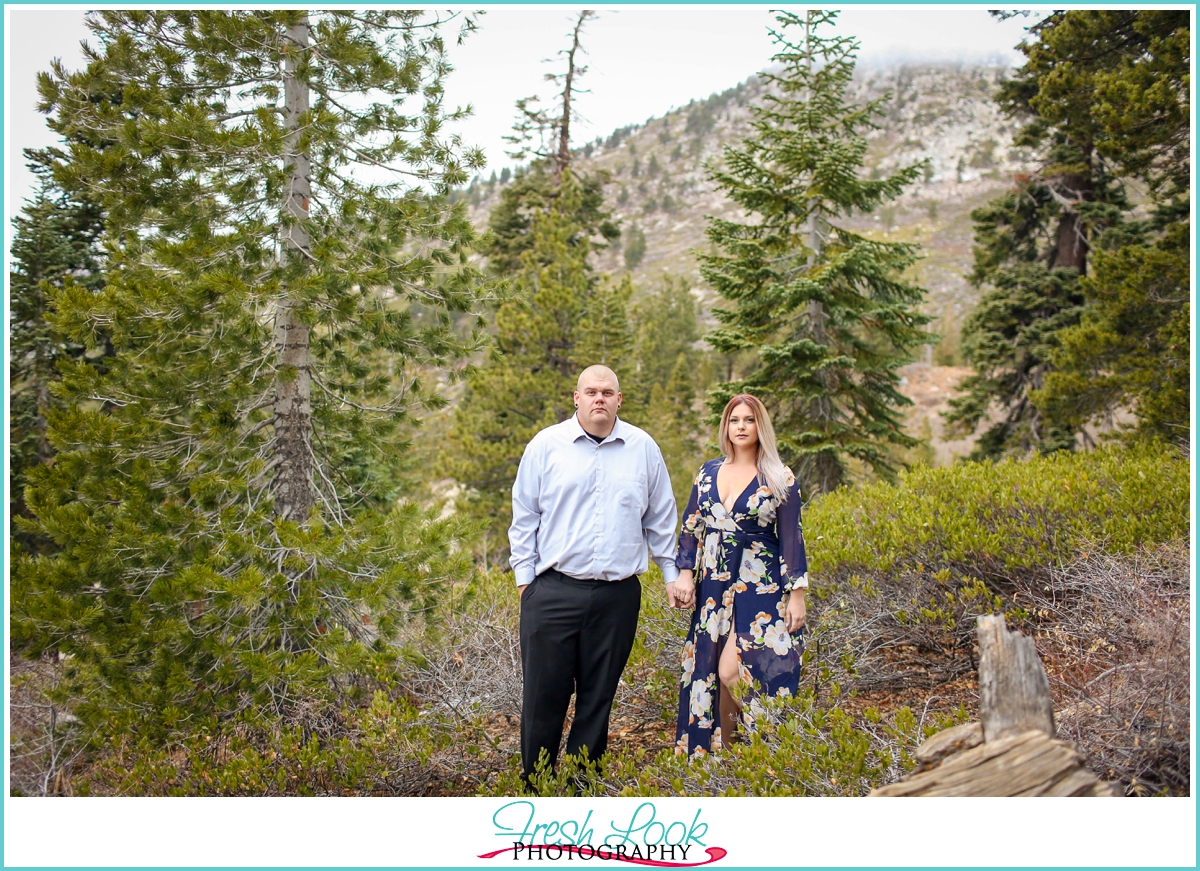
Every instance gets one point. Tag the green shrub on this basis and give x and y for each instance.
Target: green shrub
(998, 518)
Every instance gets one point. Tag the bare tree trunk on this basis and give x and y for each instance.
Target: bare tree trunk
(563, 158)
(293, 488)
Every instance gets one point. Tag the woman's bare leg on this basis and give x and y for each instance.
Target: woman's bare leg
(728, 674)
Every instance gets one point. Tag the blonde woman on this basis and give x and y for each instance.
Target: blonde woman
(742, 568)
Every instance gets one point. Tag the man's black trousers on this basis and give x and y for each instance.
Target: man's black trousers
(575, 638)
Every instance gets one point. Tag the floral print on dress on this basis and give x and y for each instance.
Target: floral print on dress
(747, 559)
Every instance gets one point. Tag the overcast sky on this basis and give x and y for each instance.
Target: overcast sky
(643, 61)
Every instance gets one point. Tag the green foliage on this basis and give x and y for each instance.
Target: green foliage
(604, 332)
(1002, 517)
(185, 588)
(635, 242)
(1132, 346)
(382, 748)
(511, 222)
(527, 382)
(1101, 100)
(56, 242)
(798, 748)
(827, 311)
(669, 373)
(1008, 339)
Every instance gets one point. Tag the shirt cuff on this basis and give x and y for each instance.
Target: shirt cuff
(670, 572)
(524, 575)
(800, 583)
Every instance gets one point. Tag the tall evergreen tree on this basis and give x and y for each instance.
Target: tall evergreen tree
(278, 291)
(525, 384)
(1102, 98)
(605, 334)
(1032, 246)
(827, 311)
(667, 322)
(56, 241)
(668, 371)
(1131, 348)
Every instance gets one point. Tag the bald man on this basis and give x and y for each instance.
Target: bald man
(591, 493)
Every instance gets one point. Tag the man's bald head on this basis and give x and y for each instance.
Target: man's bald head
(599, 372)
(598, 399)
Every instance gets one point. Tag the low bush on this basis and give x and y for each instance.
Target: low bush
(993, 520)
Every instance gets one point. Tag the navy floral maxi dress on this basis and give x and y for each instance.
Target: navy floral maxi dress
(746, 560)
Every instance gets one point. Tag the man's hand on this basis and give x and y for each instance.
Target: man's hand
(525, 589)
(796, 612)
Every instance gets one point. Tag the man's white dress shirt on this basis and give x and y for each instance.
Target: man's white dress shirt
(590, 510)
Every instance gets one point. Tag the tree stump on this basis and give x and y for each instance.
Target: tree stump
(1014, 694)
(1012, 750)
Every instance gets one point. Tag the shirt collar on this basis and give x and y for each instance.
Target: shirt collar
(578, 432)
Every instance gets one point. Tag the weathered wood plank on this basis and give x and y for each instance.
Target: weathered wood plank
(938, 746)
(1016, 764)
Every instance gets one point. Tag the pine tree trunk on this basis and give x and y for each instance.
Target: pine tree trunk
(293, 488)
(42, 367)
(1070, 248)
(825, 472)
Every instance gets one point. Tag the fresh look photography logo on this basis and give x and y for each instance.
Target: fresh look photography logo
(645, 838)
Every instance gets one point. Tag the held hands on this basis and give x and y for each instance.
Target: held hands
(681, 593)
(796, 612)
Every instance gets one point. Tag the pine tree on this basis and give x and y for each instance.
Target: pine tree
(278, 293)
(604, 334)
(1032, 245)
(827, 311)
(1131, 348)
(526, 383)
(56, 242)
(667, 326)
(674, 422)
(635, 244)
(1008, 339)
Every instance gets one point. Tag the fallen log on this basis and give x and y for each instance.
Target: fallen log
(1012, 749)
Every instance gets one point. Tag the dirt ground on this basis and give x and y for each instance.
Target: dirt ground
(931, 388)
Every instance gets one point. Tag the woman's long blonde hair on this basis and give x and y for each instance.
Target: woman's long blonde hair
(771, 470)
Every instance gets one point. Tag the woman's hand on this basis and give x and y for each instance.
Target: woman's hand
(796, 612)
(681, 592)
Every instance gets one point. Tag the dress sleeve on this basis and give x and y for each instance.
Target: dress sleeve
(693, 523)
(794, 567)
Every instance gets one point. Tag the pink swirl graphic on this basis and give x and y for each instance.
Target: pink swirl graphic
(715, 854)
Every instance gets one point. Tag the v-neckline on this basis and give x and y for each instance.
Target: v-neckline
(737, 496)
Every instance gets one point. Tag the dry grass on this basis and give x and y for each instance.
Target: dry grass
(41, 751)
(1115, 635)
